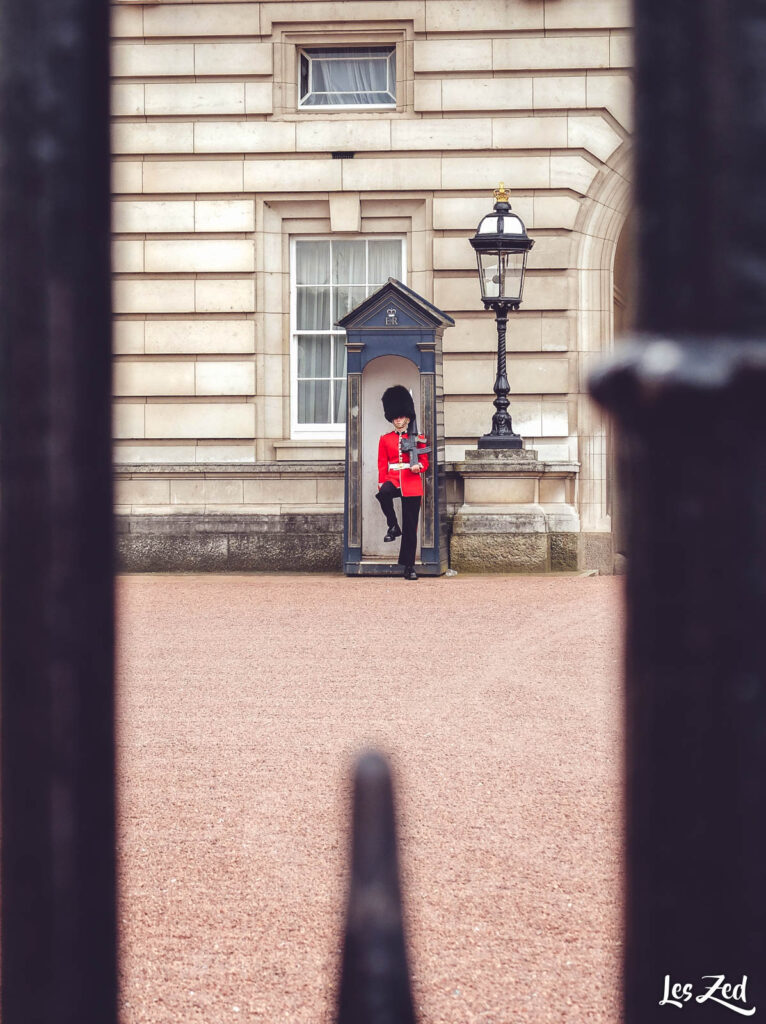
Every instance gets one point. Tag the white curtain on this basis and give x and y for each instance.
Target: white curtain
(332, 278)
(350, 77)
(340, 401)
(385, 261)
(349, 274)
(348, 261)
(339, 383)
(314, 354)
(313, 262)
(313, 286)
(314, 401)
(313, 309)
(314, 396)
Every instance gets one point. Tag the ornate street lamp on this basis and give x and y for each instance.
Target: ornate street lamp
(501, 243)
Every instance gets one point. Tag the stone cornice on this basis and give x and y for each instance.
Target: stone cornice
(237, 469)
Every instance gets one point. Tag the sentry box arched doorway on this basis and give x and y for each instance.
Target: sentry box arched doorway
(393, 337)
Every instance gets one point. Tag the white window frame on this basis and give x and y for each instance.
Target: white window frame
(321, 431)
(305, 51)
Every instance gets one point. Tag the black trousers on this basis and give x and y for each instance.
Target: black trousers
(410, 514)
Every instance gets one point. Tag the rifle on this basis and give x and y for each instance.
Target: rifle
(410, 447)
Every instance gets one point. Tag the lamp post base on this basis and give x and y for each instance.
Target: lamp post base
(500, 441)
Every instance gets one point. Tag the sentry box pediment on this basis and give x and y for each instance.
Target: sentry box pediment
(394, 305)
(393, 337)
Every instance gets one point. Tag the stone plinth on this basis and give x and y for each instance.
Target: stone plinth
(518, 513)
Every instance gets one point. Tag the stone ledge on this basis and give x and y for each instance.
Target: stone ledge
(514, 480)
(308, 451)
(181, 524)
(489, 519)
(325, 467)
(522, 467)
(481, 522)
(235, 469)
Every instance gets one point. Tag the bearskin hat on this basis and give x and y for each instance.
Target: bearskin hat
(397, 401)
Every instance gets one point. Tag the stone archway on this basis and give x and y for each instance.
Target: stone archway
(600, 260)
(623, 281)
(624, 292)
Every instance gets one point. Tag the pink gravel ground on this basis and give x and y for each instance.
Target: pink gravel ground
(242, 702)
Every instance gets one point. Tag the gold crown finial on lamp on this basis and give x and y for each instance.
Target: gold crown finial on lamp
(501, 194)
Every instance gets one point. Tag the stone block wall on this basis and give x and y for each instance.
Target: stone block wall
(216, 169)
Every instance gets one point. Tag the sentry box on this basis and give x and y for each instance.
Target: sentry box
(393, 337)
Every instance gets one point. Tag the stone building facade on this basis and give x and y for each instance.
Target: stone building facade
(242, 174)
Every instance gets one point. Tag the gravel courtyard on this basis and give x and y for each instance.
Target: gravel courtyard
(242, 701)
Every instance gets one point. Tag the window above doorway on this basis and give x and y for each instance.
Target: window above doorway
(347, 77)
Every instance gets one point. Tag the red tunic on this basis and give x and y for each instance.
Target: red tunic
(390, 453)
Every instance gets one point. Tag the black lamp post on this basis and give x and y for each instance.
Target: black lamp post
(501, 243)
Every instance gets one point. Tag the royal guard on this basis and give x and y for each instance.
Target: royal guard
(401, 461)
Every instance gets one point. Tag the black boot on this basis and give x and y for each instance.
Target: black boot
(409, 572)
(393, 533)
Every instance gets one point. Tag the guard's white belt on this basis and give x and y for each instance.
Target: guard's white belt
(398, 465)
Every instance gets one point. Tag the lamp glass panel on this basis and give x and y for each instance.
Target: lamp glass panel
(489, 275)
(512, 274)
(501, 275)
(512, 225)
(488, 226)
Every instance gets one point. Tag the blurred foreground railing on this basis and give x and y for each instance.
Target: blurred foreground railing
(375, 985)
(689, 398)
(58, 912)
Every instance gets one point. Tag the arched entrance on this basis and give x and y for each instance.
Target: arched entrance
(624, 283)
(624, 301)
(603, 261)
